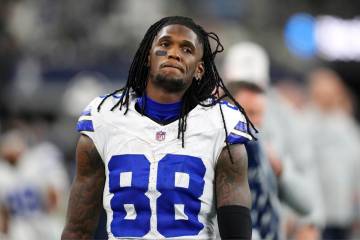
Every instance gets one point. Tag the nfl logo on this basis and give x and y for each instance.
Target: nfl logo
(160, 136)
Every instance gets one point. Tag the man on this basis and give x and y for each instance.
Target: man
(272, 155)
(130, 156)
(265, 211)
(337, 161)
(27, 202)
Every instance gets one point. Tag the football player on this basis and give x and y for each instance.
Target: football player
(164, 155)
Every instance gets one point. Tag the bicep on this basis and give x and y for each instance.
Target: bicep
(86, 191)
(232, 186)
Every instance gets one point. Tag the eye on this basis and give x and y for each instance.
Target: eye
(187, 50)
(164, 44)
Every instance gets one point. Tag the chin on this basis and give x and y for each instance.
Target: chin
(170, 83)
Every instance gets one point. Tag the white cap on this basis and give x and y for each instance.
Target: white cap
(81, 89)
(247, 61)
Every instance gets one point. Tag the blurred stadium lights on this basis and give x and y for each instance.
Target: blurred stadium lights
(330, 37)
(299, 35)
(338, 39)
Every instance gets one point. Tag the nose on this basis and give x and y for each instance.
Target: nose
(174, 54)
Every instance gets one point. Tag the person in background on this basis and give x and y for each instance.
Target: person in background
(265, 211)
(289, 118)
(246, 67)
(33, 184)
(337, 140)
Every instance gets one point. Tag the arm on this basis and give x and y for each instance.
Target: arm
(294, 184)
(295, 188)
(4, 220)
(86, 192)
(232, 187)
(233, 194)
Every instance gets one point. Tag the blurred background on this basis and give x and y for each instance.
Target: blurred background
(55, 56)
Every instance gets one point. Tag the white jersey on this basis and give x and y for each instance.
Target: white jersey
(24, 188)
(154, 187)
(24, 197)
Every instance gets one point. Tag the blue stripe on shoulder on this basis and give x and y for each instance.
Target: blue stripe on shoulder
(229, 105)
(234, 139)
(85, 125)
(86, 112)
(241, 126)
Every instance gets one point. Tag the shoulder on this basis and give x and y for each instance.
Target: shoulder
(223, 116)
(231, 111)
(102, 104)
(87, 116)
(234, 121)
(102, 108)
(222, 108)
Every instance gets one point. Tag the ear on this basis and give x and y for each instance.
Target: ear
(200, 70)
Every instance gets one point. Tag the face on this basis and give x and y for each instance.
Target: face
(254, 105)
(12, 147)
(175, 58)
(326, 90)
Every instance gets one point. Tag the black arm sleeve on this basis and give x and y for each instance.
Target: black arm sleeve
(234, 222)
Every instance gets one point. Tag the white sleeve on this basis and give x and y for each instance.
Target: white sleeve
(237, 130)
(293, 187)
(90, 124)
(301, 191)
(85, 124)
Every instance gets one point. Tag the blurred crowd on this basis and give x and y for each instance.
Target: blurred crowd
(304, 170)
(308, 141)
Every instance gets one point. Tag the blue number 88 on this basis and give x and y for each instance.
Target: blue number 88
(180, 180)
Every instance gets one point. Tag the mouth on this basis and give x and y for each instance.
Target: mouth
(172, 65)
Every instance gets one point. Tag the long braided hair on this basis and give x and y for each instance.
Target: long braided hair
(208, 87)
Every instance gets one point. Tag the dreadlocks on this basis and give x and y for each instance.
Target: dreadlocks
(208, 87)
